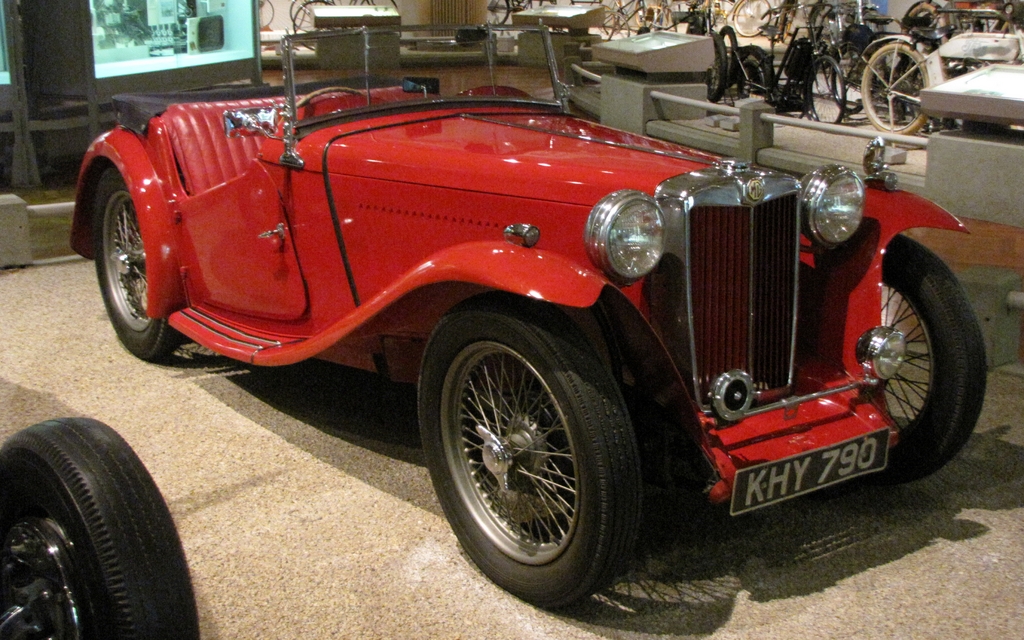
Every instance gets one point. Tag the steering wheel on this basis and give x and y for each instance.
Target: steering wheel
(313, 95)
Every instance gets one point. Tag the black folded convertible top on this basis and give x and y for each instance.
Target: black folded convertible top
(134, 110)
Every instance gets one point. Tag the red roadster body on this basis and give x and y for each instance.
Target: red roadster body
(575, 303)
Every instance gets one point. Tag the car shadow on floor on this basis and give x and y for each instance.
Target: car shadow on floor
(693, 559)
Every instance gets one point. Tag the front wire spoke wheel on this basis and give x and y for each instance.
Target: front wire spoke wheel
(907, 393)
(530, 449)
(513, 463)
(936, 396)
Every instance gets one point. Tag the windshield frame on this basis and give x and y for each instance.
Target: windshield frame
(291, 42)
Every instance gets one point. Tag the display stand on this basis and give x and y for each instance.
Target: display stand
(83, 52)
(990, 102)
(570, 25)
(673, 63)
(349, 51)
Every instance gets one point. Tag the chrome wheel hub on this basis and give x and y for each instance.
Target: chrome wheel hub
(36, 588)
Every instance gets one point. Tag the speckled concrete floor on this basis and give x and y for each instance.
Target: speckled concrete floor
(305, 510)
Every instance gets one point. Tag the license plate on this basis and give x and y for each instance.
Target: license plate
(770, 482)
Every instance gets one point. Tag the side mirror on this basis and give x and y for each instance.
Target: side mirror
(254, 121)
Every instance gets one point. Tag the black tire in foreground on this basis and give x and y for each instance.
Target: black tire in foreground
(937, 395)
(89, 548)
(121, 269)
(531, 450)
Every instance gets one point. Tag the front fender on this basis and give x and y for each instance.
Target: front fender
(154, 207)
(532, 273)
(849, 279)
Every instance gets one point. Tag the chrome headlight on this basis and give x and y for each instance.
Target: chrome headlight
(832, 204)
(625, 235)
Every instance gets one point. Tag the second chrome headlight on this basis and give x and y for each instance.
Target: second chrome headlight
(832, 204)
(625, 235)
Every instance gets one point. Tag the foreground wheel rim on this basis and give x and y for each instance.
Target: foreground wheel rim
(36, 588)
(510, 453)
(907, 393)
(125, 261)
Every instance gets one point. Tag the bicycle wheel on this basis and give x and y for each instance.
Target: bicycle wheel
(851, 63)
(617, 19)
(891, 88)
(748, 16)
(826, 91)
(301, 13)
(718, 74)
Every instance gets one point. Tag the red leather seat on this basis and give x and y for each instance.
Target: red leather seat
(206, 156)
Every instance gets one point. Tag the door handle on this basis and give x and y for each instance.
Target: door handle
(276, 231)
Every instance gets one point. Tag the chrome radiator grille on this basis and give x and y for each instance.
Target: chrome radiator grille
(743, 285)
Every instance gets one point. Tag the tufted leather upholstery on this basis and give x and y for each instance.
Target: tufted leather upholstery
(206, 156)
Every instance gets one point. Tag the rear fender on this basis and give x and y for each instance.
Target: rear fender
(846, 284)
(154, 207)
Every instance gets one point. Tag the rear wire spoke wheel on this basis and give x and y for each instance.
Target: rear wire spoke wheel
(89, 550)
(530, 450)
(718, 74)
(826, 97)
(937, 395)
(891, 89)
(121, 269)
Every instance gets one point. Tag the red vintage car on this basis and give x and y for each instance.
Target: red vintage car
(583, 310)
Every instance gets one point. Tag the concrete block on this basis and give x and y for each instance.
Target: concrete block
(15, 249)
(988, 288)
(970, 175)
(626, 102)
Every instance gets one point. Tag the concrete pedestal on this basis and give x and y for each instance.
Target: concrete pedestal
(626, 101)
(346, 52)
(15, 249)
(972, 175)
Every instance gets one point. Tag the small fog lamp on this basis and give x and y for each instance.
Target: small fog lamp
(881, 352)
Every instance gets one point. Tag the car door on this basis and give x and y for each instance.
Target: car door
(241, 257)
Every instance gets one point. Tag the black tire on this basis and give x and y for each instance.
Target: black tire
(826, 91)
(759, 76)
(546, 498)
(718, 74)
(894, 73)
(121, 270)
(937, 395)
(83, 522)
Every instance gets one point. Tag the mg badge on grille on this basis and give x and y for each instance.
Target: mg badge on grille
(754, 190)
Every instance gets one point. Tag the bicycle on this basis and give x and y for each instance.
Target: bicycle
(701, 19)
(898, 71)
(627, 17)
(809, 80)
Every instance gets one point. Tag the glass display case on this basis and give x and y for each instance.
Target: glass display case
(142, 36)
(992, 94)
(5, 68)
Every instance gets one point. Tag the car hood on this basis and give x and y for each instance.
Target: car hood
(537, 156)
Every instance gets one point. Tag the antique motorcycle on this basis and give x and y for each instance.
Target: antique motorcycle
(899, 69)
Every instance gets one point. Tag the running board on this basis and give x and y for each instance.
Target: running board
(223, 338)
